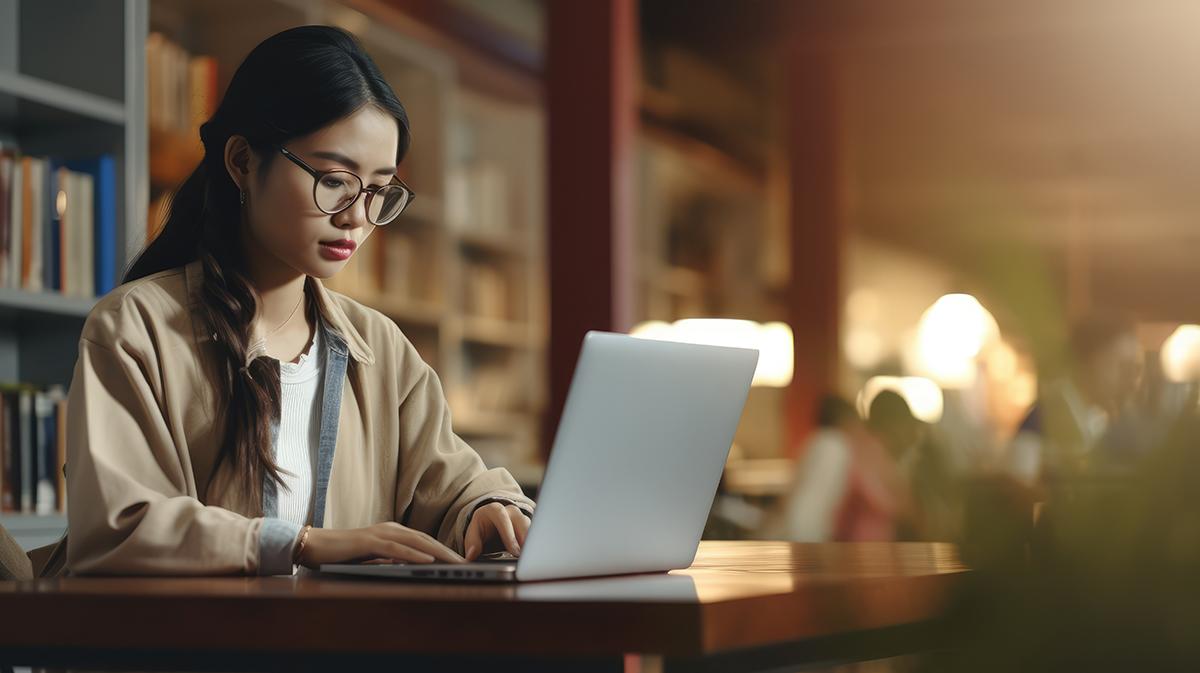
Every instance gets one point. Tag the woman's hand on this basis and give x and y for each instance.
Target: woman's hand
(388, 540)
(496, 520)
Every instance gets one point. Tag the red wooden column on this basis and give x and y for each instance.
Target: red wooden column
(592, 76)
(818, 229)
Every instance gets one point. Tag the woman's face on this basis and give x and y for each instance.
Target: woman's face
(285, 228)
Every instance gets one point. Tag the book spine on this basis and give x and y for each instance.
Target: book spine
(37, 223)
(60, 465)
(6, 171)
(46, 500)
(25, 420)
(87, 274)
(50, 221)
(54, 277)
(7, 501)
(106, 224)
(75, 210)
(66, 221)
(11, 409)
(26, 221)
(16, 219)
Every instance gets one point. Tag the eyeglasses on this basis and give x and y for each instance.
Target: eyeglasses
(337, 190)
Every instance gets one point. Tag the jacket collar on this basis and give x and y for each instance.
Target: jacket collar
(330, 312)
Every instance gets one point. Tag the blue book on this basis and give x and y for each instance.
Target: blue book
(103, 170)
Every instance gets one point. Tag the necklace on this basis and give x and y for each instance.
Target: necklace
(289, 318)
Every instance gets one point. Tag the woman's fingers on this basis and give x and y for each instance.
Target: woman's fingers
(502, 521)
(422, 542)
(389, 540)
(426, 544)
(399, 552)
(492, 520)
(473, 540)
(520, 523)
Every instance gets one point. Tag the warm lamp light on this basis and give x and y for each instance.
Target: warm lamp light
(773, 341)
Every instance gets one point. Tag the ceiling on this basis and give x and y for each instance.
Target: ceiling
(1062, 139)
(1066, 138)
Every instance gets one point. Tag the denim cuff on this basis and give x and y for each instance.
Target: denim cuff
(276, 543)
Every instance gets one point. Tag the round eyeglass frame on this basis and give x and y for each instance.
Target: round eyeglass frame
(369, 191)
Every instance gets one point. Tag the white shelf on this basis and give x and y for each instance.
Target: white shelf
(17, 304)
(34, 530)
(62, 98)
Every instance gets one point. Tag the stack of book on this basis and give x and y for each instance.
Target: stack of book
(181, 87)
(486, 291)
(32, 449)
(58, 223)
(181, 93)
(477, 198)
(400, 279)
(491, 385)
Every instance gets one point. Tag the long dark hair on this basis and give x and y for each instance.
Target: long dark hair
(292, 84)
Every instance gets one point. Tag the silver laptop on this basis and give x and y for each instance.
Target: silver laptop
(643, 440)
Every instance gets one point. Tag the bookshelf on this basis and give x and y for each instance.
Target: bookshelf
(69, 89)
(480, 147)
(462, 273)
(710, 238)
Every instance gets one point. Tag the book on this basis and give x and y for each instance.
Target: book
(202, 76)
(77, 231)
(7, 157)
(45, 498)
(182, 88)
(32, 449)
(60, 463)
(103, 172)
(33, 234)
(58, 223)
(7, 486)
(50, 223)
(25, 446)
(16, 221)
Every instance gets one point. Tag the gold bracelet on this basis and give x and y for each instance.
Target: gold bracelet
(303, 541)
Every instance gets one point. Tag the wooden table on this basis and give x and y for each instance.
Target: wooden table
(741, 606)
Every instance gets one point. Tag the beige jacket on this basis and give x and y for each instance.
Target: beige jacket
(144, 425)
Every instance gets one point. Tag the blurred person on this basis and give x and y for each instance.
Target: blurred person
(847, 486)
(923, 465)
(1062, 430)
(891, 420)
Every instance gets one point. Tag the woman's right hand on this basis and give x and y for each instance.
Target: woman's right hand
(388, 541)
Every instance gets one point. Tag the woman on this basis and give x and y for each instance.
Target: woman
(228, 414)
(847, 488)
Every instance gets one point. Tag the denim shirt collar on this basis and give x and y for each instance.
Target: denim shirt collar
(333, 377)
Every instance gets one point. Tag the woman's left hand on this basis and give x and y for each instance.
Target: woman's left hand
(496, 520)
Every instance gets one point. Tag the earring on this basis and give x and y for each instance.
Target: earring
(242, 197)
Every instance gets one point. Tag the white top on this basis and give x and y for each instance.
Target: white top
(818, 488)
(299, 432)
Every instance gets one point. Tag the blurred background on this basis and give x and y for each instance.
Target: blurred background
(961, 234)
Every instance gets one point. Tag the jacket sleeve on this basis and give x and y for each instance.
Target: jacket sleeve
(451, 479)
(130, 510)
